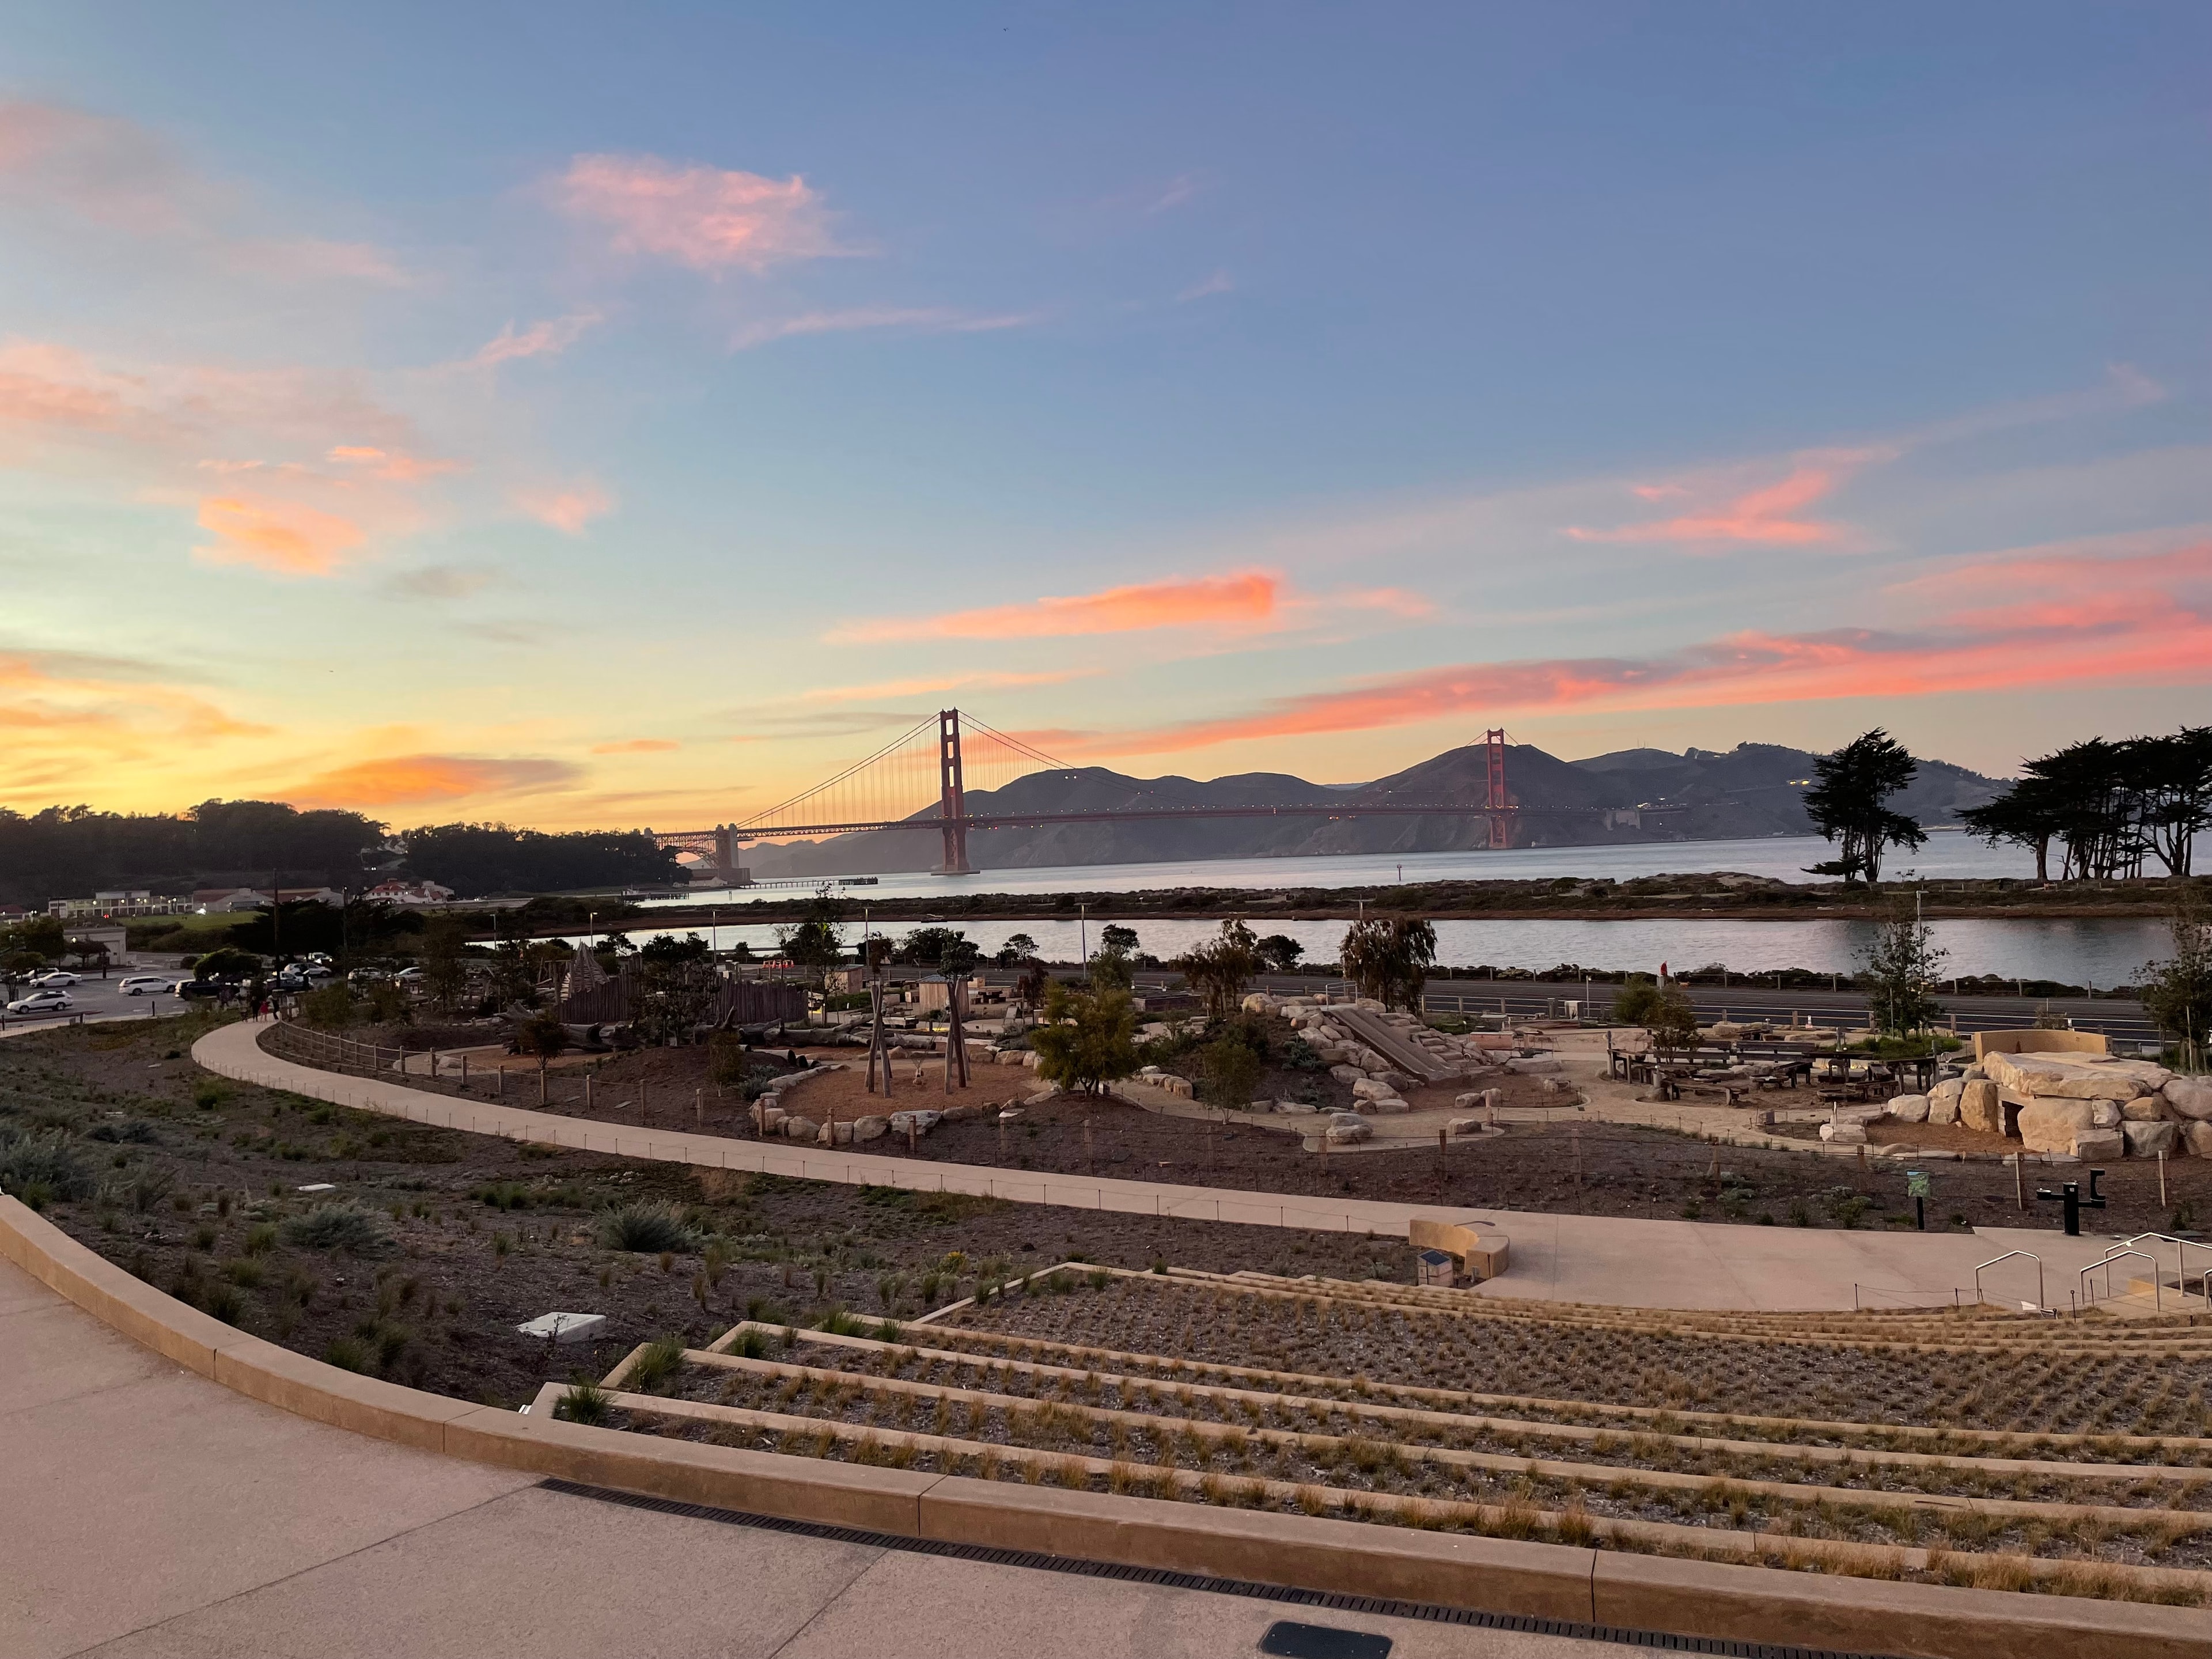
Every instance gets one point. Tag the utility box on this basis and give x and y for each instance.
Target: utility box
(1435, 1268)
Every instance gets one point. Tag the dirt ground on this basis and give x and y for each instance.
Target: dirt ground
(1574, 1163)
(188, 1180)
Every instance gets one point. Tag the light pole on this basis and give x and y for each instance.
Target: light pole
(1082, 933)
(591, 929)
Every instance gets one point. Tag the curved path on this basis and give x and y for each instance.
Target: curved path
(1623, 1260)
(151, 1512)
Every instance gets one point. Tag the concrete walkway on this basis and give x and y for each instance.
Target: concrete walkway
(152, 1513)
(1623, 1260)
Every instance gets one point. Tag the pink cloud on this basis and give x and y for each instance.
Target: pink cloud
(2061, 621)
(544, 339)
(927, 319)
(567, 509)
(1768, 517)
(636, 747)
(1248, 598)
(708, 218)
(283, 537)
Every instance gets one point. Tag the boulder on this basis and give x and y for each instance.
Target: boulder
(871, 1128)
(2191, 1096)
(1534, 1065)
(1344, 1120)
(1179, 1087)
(1910, 1109)
(1261, 1106)
(2104, 1115)
(2093, 1145)
(1259, 1003)
(2051, 1126)
(919, 1122)
(801, 1128)
(1369, 1088)
(1943, 1109)
(1351, 1074)
(1981, 1107)
(1395, 1083)
(771, 1121)
(2148, 1140)
(2073, 1077)
(2197, 1135)
(1465, 1125)
(1949, 1089)
(1295, 1107)
(1844, 1135)
(1343, 1134)
(841, 1133)
(1469, 1101)
(1386, 1105)
(2147, 1109)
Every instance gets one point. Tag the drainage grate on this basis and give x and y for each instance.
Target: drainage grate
(1335, 1601)
(1288, 1639)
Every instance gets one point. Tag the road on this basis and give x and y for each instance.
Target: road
(96, 998)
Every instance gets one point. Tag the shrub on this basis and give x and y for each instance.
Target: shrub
(1232, 1070)
(662, 1358)
(585, 1402)
(224, 1302)
(348, 1354)
(131, 1129)
(647, 1228)
(210, 1092)
(345, 1227)
(42, 1167)
(329, 1009)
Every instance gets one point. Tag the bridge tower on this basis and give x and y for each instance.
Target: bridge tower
(953, 801)
(1501, 824)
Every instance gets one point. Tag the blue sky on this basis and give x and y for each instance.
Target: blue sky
(1616, 373)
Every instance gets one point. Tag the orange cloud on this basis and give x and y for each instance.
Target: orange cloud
(409, 780)
(1245, 599)
(281, 536)
(567, 510)
(392, 466)
(636, 747)
(1765, 517)
(45, 386)
(913, 688)
(2150, 624)
(67, 714)
(704, 217)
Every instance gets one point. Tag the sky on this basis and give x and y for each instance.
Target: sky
(586, 416)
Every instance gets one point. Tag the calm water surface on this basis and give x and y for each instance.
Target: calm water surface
(2077, 953)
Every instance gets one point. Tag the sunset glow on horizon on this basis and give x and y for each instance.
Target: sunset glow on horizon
(553, 437)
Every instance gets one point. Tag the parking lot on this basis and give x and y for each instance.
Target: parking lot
(94, 998)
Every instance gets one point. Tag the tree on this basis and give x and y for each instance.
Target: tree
(666, 949)
(1219, 971)
(1633, 1002)
(1388, 958)
(1902, 969)
(925, 946)
(2177, 993)
(445, 975)
(816, 942)
(1280, 952)
(1670, 1020)
(227, 962)
(1017, 949)
(1089, 1039)
(542, 1036)
(1232, 1069)
(1115, 937)
(2110, 803)
(2028, 814)
(1111, 969)
(1846, 804)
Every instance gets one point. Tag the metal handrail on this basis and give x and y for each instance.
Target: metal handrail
(2156, 1279)
(2040, 1301)
(2182, 1247)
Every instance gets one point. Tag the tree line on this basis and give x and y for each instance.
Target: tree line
(73, 852)
(2107, 806)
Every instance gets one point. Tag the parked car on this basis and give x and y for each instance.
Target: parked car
(55, 979)
(289, 982)
(146, 985)
(368, 976)
(409, 977)
(196, 988)
(311, 969)
(43, 1002)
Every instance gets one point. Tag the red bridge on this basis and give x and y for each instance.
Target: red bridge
(921, 781)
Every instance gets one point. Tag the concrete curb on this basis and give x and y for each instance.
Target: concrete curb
(1549, 1580)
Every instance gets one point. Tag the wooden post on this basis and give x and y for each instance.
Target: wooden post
(2162, 1180)
(500, 1089)
(541, 1081)
(2020, 1180)
(1089, 1160)
(1002, 1136)
(699, 1107)
(465, 1069)
(588, 1091)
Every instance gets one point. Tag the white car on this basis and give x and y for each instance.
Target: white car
(408, 976)
(42, 1002)
(54, 978)
(146, 985)
(310, 970)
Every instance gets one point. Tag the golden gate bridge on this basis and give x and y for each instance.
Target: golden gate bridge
(921, 779)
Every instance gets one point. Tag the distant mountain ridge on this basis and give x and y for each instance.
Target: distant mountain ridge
(1702, 794)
